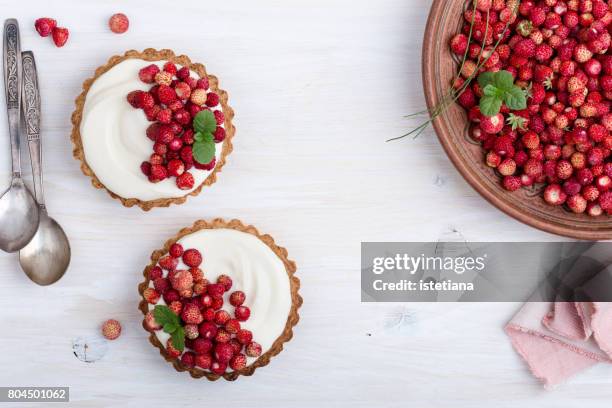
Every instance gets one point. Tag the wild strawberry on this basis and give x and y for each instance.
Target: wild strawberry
(582, 53)
(603, 183)
(161, 285)
(577, 203)
(172, 351)
(175, 144)
(244, 336)
(45, 26)
(217, 303)
(594, 210)
(236, 346)
(590, 193)
(168, 263)
(166, 94)
(191, 314)
(176, 168)
(191, 331)
(183, 91)
(554, 195)
(192, 258)
(198, 97)
(209, 313)
(170, 68)
(525, 48)
(225, 281)
(253, 349)
(60, 36)
(564, 169)
(151, 295)
(218, 367)
(242, 313)
(150, 323)
(533, 168)
(183, 73)
(222, 336)
(163, 78)
(212, 100)
(202, 345)
(507, 167)
(188, 360)
(111, 329)
(147, 74)
(223, 352)
(185, 181)
(238, 362)
(511, 183)
(182, 117)
(459, 44)
(222, 317)
(202, 83)
(176, 250)
(216, 290)
(119, 23)
(208, 166)
(237, 298)
(203, 361)
(181, 280)
(571, 187)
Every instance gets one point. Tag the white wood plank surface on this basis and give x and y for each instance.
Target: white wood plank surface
(318, 86)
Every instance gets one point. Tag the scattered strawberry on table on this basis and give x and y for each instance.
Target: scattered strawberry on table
(184, 129)
(111, 329)
(46, 26)
(202, 333)
(119, 23)
(536, 81)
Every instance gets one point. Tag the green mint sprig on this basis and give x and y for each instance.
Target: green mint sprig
(498, 88)
(171, 324)
(204, 124)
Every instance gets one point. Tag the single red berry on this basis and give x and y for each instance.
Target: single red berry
(237, 298)
(60, 36)
(232, 326)
(166, 94)
(119, 23)
(161, 285)
(217, 303)
(170, 296)
(185, 181)
(225, 281)
(145, 167)
(181, 280)
(223, 352)
(216, 290)
(150, 323)
(192, 258)
(191, 314)
(236, 346)
(202, 345)
(244, 336)
(183, 73)
(176, 306)
(170, 67)
(238, 362)
(209, 313)
(219, 134)
(218, 367)
(111, 329)
(151, 295)
(168, 263)
(188, 360)
(212, 99)
(176, 250)
(253, 349)
(203, 361)
(45, 26)
(155, 272)
(176, 168)
(208, 330)
(219, 117)
(202, 83)
(172, 351)
(147, 74)
(222, 317)
(183, 91)
(242, 313)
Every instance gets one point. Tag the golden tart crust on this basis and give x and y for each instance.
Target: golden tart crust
(151, 54)
(292, 319)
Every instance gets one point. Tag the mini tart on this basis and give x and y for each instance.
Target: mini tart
(152, 55)
(294, 285)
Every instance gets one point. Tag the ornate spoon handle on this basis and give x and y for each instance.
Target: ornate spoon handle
(12, 85)
(31, 115)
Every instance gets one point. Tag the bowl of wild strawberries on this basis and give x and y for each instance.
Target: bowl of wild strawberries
(519, 93)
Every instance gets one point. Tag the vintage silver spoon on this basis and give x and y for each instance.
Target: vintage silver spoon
(18, 209)
(46, 257)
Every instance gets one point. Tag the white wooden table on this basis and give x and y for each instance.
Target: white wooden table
(317, 85)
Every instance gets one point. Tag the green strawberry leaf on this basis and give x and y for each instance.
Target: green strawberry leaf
(486, 78)
(205, 122)
(490, 105)
(178, 338)
(204, 149)
(515, 99)
(503, 80)
(164, 315)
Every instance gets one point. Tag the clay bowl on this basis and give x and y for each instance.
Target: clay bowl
(526, 205)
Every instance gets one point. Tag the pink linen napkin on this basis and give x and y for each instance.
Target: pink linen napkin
(560, 339)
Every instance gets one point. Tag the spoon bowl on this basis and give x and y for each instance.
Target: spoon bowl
(46, 257)
(19, 217)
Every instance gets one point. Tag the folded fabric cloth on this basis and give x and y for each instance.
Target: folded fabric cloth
(560, 339)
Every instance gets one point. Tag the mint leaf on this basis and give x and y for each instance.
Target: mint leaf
(198, 137)
(486, 78)
(178, 339)
(515, 99)
(490, 105)
(205, 122)
(164, 315)
(170, 327)
(491, 90)
(503, 80)
(204, 149)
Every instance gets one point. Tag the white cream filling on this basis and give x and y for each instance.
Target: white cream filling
(114, 136)
(255, 269)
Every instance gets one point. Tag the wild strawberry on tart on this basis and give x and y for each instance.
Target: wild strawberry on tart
(152, 128)
(220, 299)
